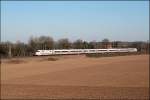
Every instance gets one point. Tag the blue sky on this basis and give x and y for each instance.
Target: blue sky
(87, 20)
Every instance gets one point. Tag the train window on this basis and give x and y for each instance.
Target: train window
(64, 51)
(92, 50)
(57, 51)
(73, 51)
(102, 50)
(112, 50)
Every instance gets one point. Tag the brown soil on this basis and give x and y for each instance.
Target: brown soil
(15, 61)
(78, 77)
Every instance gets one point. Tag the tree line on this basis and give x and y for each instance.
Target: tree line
(8, 49)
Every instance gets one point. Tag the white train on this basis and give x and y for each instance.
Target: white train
(81, 51)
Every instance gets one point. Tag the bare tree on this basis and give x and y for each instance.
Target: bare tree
(78, 44)
(46, 42)
(4, 49)
(64, 44)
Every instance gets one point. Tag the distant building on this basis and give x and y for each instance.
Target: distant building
(118, 44)
(106, 45)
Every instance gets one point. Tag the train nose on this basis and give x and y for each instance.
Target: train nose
(37, 53)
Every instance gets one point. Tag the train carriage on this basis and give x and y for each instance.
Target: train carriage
(81, 51)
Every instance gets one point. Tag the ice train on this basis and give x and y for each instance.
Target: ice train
(82, 51)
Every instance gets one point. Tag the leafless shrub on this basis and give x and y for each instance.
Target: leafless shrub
(15, 61)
